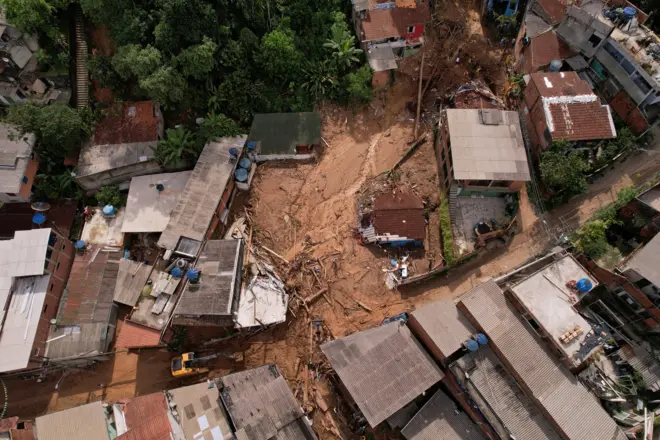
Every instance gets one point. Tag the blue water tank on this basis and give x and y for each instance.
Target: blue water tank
(584, 285)
(192, 274)
(471, 345)
(177, 273)
(241, 174)
(108, 210)
(251, 145)
(555, 65)
(80, 244)
(629, 12)
(38, 218)
(482, 339)
(233, 152)
(245, 163)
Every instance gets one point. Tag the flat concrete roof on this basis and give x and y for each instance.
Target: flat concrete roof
(149, 210)
(545, 296)
(103, 230)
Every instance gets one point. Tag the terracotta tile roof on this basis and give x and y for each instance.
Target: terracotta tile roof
(18, 217)
(146, 418)
(554, 9)
(127, 122)
(559, 84)
(91, 287)
(543, 49)
(393, 22)
(134, 335)
(399, 214)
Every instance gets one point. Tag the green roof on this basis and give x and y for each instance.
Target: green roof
(279, 133)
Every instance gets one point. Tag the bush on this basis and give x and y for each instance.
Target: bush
(445, 230)
(110, 195)
(359, 84)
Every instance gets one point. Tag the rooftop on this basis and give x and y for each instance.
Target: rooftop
(200, 412)
(220, 264)
(650, 197)
(392, 22)
(644, 363)
(279, 133)
(260, 402)
(100, 229)
(383, 368)
(74, 341)
(547, 298)
(202, 194)
(146, 418)
(14, 158)
(440, 419)
(131, 278)
(554, 10)
(18, 217)
(444, 325)
(149, 210)
(572, 111)
(551, 385)
(154, 311)
(96, 159)
(133, 335)
(128, 123)
(399, 214)
(646, 261)
(25, 254)
(545, 48)
(487, 144)
(82, 422)
(381, 58)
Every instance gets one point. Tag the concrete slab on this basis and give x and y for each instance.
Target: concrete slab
(103, 230)
(470, 211)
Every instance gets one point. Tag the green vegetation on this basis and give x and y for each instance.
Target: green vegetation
(563, 172)
(110, 195)
(445, 230)
(179, 144)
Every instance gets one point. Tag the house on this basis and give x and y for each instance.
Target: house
(122, 145)
(151, 200)
(440, 419)
(285, 136)
(36, 264)
(249, 397)
(539, 51)
(78, 423)
(389, 30)
(397, 219)
(376, 380)
(481, 151)
(197, 412)
(18, 168)
(561, 106)
(548, 385)
(205, 200)
(213, 299)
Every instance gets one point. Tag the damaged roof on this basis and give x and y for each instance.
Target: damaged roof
(487, 144)
(261, 404)
(440, 419)
(14, 157)
(572, 111)
(131, 278)
(392, 22)
(399, 213)
(127, 123)
(383, 368)
(279, 133)
(551, 385)
(543, 49)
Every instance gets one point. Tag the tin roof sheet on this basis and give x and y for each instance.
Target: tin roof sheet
(445, 325)
(82, 422)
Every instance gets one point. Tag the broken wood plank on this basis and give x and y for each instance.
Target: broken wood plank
(272, 252)
(311, 298)
(419, 96)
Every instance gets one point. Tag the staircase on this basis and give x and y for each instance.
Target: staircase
(454, 212)
(81, 49)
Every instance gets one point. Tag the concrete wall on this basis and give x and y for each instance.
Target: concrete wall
(93, 182)
(615, 69)
(442, 148)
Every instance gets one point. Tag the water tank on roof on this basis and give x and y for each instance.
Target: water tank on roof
(80, 244)
(245, 163)
(241, 174)
(584, 285)
(251, 145)
(177, 273)
(192, 274)
(555, 65)
(471, 345)
(108, 210)
(233, 152)
(482, 339)
(629, 12)
(39, 218)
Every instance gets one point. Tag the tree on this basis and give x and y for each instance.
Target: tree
(320, 80)
(165, 85)
(133, 60)
(197, 61)
(563, 170)
(56, 186)
(591, 239)
(279, 56)
(30, 15)
(179, 144)
(110, 195)
(342, 45)
(359, 84)
(216, 126)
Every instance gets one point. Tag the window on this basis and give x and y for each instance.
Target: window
(643, 85)
(411, 29)
(642, 283)
(595, 40)
(51, 287)
(613, 51)
(57, 266)
(46, 306)
(628, 66)
(630, 301)
(443, 156)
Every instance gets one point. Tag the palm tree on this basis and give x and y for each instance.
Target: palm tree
(342, 45)
(178, 144)
(319, 80)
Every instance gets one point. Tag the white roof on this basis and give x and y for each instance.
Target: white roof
(25, 254)
(14, 158)
(21, 320)
(103, 230)
(263, 301)
(147, 209)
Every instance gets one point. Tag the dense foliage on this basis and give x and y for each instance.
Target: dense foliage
(110, 195)
(445, 229)
(563, 171)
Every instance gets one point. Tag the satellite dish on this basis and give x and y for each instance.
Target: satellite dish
(40, 206)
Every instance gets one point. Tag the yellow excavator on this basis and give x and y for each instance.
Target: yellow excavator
(188, 363)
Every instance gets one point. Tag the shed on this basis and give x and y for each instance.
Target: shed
(278, 136)
(397, 219)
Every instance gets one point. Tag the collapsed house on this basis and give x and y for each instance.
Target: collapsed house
(395, 218)
(17, 166)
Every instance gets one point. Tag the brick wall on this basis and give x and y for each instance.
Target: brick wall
(628, 112)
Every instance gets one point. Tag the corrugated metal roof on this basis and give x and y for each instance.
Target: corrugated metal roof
(550, 383)
(644, 363)
(77, 341)
(646, 261)
(439, 419)
(25, 254)
(445, 325)
(260, 402)
(131, 278)
(383, 368)
(82, 422)
(487, 151)
(279, 133)
(220, 264)
(200, 198)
